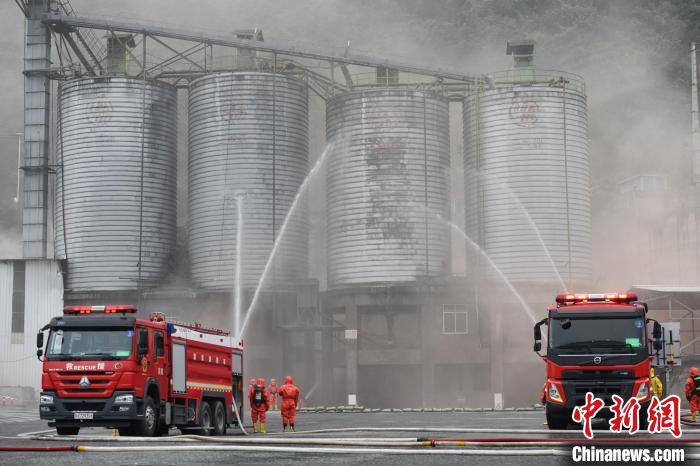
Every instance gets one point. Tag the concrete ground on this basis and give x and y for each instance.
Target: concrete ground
(14, 422)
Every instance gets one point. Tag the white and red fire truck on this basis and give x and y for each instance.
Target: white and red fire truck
(104, 367)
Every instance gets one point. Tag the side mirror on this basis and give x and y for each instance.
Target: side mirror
(40, 340)
(39, 353)
(658, 346)
(538, 332)
(656, 333)
(142, 343)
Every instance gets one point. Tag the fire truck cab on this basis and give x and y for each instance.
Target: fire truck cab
(596, 343)
(103, 367)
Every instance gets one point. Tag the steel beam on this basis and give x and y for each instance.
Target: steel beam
(181, 55)
(178, 56)
(89, 51)
(67, 37)
(346, 58)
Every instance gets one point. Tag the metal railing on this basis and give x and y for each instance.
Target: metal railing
(536, 77)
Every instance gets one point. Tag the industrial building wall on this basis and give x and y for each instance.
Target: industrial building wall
(43, 299)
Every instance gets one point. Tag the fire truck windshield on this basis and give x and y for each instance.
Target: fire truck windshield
(596, 335)
(89, 344)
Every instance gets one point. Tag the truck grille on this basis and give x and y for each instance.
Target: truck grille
(86, 406)
(92, 382)
(606, 391)
(102, 383)
(602, 383)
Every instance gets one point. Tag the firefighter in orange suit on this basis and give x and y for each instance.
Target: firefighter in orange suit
(692, 392)
(543, 397)
(259, 404)
(272, 393)
(290, 400)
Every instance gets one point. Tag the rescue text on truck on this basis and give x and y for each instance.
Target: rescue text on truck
(596, 343)
(103, 367)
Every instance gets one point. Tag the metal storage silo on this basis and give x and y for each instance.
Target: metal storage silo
(387, 186)
(117, 206)
(248, 137)
(526, 154)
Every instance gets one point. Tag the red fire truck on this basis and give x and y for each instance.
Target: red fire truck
(596, 343)
(104, 367)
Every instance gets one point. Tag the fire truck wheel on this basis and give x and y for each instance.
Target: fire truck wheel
(556, 422)
(205, 419)
(147, 426)
(643, 420)
(219, 418)
(163, 429)
(60, 430)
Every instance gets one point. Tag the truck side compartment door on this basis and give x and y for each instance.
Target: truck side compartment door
(237, 380)
(179, 368)
(160, 363)
(142, 359)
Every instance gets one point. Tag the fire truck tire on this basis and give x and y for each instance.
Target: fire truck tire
(643, 420)
(556, 422)
(61, 430)
(148, 425)
(219, 419)
(205, 419)
(163, 429)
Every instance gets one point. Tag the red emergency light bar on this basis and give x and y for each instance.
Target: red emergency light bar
(571, 298)
(110, 309)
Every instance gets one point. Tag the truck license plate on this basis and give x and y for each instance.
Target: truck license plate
(83, 415)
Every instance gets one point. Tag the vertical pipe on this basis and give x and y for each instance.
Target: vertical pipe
(425, 181)
(694, 114)
(479, 210)
(238, 289)
(19, 164)
(697, 247)
(59, 144)
(566, 186)
(695, 122)
(274, 164)
(37, 90)
(143, 147)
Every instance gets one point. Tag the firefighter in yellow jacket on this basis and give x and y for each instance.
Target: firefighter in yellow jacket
(657, 388)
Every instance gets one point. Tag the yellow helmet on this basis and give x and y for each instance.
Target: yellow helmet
(651, 372)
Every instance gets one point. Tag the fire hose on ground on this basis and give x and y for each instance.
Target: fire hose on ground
(238, 417)
(388, 442)
(20, 448)
(492, 446)
(565, 452)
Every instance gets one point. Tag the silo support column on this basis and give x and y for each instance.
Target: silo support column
(428, 337)
(351, 348)
(327, 356)
(496, 347)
